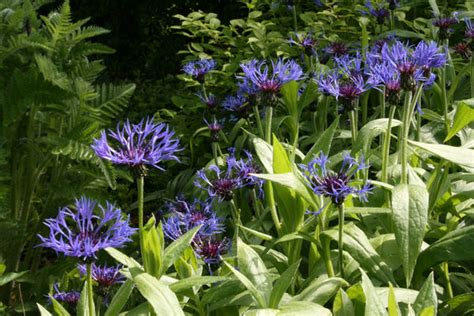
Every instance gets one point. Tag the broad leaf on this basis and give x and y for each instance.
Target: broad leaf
(342, 304)
(120, 298)
(410, 217)
(427, 296)
(282, 284)
(373, 305)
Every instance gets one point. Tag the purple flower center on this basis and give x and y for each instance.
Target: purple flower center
(335, 186)
(223, 187)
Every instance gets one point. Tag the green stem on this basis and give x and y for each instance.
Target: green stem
(295, 19)
(140, 189)
(326, 254)
(259, 121)
(353, 120)
(444, 98)
(236, 217)
(295, 141)
(449, 288)
(472, 76)
(386, 145)
(90, 297)
(214, 152)
(404, 135)
(268, 124)
(341, 244)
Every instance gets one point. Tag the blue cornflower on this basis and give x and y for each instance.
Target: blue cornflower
(71, 298)
(445, 25)
(237, 104)
(463, 49)
(377, 10)
(210, 249)
(104, 276)
(469, 32)
(209, 100)
(215, 128)
(199, 68)
(185, 216)
(305, 41)
(138, 145)
(336, 49)
(221, 185)
(384, 75)
(269, 79)
(414, 65)
(82, 233)
(335, 185)
(244, 168)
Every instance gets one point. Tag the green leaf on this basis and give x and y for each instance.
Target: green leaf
(289, 92)
(282, 284)
(161, 298)
(252, 266)
(459, 305)
(410, 217)
(122, 258)
(189, 283)
(83, 304)
(58, 308)
(461, 156)
(342, 304)
(259, 299)
(358, 246)
(323, 143)
(153, 248)
(120, 298)
(464, 116)
(262, 312)
(427, 296)
(11, 276)
(373, 305)
(321, 290)
(177, 247)
(368, 132)
(455, 246)
(43, 311)
(393, 309)
(303, 309)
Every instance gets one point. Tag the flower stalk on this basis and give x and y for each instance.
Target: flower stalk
(90, 296)
(340, 239)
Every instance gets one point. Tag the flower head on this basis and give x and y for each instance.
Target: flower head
(209, 100)
(336, 49)
(469, 32)
(185, 216)
(138, 145)
(71, 298)
(463, 49)
(237, 104)
(199, 68)
(210, 249)
(305, 41)
(214, 128)
(218, 184)
(335, 185)
(378, 11)
(269, 78)
(244, 168)
(82, 233)
(104, 276)
(445, 25)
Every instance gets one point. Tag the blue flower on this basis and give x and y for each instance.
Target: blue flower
(244, 168)
(82, 233)
(336, 49)
(305, 41)
(215, 128)
(384, 75)
(469, 32)
(335, 185)
(71, 298)
(138, 145)
(445, 25)
(378, 11)
(185, 216)
(219, 184)
(199, 68)
(237, 104)
(210, 249)
(104, 276)
(209, 100)
(270, 78)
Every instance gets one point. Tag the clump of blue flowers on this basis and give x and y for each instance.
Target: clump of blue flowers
(336, 186)
(83, 232)
(138, 145)
(186, 216)
(199, 68)
(269, 78)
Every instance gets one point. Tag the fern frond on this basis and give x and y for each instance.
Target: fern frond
(51, 73)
